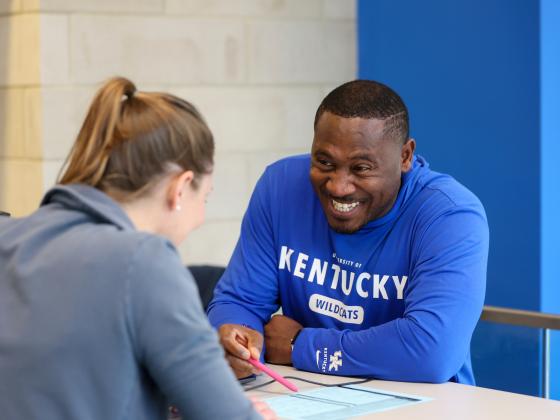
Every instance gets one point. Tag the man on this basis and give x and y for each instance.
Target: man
(378, 263)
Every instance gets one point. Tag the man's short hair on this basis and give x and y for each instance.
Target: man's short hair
(368, 99)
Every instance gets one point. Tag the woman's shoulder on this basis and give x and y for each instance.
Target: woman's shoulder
(144, 251)
(155, 257)
(125, 256)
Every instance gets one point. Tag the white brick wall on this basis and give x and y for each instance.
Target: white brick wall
(64, 110)
(340, 9)
(240, 8)
(253, 118)
(54, 53)
(301, 51)
(257, 70)
(159, 49)
(212, 243)
(96, 6)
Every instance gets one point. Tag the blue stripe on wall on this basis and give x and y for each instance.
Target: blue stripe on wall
(470, 74)
(550, 190)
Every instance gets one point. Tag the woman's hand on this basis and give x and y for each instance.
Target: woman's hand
(263, 409)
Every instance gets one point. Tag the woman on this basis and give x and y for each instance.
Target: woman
(99, 319)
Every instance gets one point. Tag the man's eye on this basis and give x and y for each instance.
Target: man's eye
(361, 168)
(324, 162)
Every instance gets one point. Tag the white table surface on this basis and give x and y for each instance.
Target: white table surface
(449, 400)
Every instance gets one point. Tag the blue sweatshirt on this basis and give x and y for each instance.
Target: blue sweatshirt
(100, 321)
(397, 300)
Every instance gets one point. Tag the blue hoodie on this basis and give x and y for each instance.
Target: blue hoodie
(100, 321)
(398, 299)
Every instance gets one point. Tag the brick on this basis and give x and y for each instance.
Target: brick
(269, 8)
(12, 123)
(51, 169)
(212, 243)
(156, 50)
(54, 54)
(302, 52)
(20, 119)
(19, 43)
(8, 6)
(30, 5)
(33, 124)
(340, 9)
(230, 196)
(131, 6)
(21, 186)
(257, 118)
(329, 88)
(257, 163)
(64, 110)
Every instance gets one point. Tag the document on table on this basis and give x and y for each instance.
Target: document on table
(339, 402)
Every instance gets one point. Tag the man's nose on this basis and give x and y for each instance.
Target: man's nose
(340, 184)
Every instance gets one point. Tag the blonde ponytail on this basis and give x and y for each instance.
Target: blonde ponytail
(129, 137)
(88, 158)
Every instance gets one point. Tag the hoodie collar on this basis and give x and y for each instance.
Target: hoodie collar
(90, 201)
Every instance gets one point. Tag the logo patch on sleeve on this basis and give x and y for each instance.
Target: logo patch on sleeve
(336, 360)
(336, 309)
(327, 363)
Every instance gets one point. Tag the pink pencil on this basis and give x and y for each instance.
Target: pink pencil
(273, 374)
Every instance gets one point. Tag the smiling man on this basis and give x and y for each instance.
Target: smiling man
(378, 262)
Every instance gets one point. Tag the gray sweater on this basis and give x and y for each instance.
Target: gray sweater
(100, 321)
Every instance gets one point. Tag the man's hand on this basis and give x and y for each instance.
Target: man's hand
(278, 335)
(240, 343)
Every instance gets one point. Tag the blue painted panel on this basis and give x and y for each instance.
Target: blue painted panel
(513, 351)
(550, 191)
(469, 72)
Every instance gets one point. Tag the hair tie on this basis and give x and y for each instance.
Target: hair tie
(128, 94)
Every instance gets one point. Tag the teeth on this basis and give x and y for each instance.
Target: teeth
(345, 207)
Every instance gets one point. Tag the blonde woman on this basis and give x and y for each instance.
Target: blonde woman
(99, 319)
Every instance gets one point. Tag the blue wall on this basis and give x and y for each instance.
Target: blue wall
(470, 72)
(550, 190)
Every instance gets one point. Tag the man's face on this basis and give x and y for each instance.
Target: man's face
(355, 170)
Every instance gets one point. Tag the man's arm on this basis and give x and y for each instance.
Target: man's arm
(247, 294)
(442, 306)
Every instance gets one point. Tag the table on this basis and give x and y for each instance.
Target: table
(449, 400)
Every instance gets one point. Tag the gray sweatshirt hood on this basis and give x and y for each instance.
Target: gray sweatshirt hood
(91, 201)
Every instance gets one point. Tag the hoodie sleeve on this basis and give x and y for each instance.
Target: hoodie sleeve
(442, 306)
(247, 293)
(173, 339)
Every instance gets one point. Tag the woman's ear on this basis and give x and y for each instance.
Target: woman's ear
(177, 187)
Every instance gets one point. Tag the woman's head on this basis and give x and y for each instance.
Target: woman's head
(134, 143)
(129, 139)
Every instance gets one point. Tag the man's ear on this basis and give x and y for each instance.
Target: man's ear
(177, 186)
(407, 153)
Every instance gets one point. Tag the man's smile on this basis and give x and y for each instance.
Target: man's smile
(343, 207)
